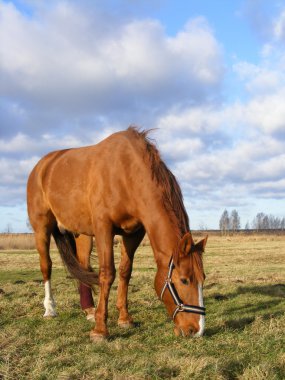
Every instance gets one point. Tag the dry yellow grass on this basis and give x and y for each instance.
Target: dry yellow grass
(26, 241)
(16, 241)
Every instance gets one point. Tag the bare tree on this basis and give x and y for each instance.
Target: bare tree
(265, 224)
(274, 222)
(234, 221)
(224, 222)
(257, 222)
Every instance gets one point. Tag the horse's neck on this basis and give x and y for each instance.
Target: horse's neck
(163, 237)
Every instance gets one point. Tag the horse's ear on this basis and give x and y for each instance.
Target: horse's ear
(200, 246)
(185, 245)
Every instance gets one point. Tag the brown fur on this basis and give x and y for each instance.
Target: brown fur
(119, 186)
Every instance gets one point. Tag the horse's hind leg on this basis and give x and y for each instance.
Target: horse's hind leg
(42, 238)
(84, 246)
(129, 245)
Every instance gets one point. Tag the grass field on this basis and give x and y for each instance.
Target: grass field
(244, 339)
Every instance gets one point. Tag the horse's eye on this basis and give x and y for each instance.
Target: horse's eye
(184, 281)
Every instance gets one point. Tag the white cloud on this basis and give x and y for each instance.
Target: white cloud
(180, 148)
(196, 48)
(259, 80)
(194, 120)
(268, 112)
(271, 189)
(15, 172)
(69, 58)
(240, 143)
(24, 144)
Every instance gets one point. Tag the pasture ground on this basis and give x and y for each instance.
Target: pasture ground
(244, 295)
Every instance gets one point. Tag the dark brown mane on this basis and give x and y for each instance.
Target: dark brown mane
(171, 192)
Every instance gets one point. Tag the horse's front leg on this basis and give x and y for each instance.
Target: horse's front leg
(104, 241)
(129, 246)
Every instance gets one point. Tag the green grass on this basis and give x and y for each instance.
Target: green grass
(244, 339)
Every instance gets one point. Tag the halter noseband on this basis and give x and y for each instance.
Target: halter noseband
(180, 306)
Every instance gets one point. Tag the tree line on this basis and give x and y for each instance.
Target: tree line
(231, 222)
(267, 222)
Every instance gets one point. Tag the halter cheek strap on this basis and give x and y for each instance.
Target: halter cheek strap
(180, 306)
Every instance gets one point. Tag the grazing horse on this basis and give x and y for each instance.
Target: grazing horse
(119, 186)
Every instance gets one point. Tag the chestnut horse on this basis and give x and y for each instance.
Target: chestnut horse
(119, 186)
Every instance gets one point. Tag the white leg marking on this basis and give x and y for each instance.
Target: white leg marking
(49, 303)
(202, 317)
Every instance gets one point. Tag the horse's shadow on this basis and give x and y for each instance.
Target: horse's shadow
(249, 311)
(276, 290)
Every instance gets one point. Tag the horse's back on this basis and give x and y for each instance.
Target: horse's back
(69, 181)
(97, 155)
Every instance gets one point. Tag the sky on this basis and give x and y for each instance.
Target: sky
(207, 75)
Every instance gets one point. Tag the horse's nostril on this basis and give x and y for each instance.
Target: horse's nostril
(192, 331)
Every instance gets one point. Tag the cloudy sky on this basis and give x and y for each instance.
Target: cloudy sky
(209, 75)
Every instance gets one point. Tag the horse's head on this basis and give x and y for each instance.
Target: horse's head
(181, 288)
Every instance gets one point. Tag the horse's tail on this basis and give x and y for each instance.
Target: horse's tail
(67, 248)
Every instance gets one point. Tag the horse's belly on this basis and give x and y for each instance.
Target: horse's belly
(76, 225)
(129, 225)
(72, 213)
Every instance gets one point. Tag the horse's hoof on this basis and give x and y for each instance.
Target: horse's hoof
(97, 337)
(90, 314)
(90, 317)
(125, 324)
(50, 315)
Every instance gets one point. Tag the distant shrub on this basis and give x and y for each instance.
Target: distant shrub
(17, 241)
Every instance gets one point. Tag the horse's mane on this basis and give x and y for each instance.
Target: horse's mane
(172, 199)
(171, 193)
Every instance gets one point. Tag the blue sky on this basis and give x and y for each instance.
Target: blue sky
(209, 75)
